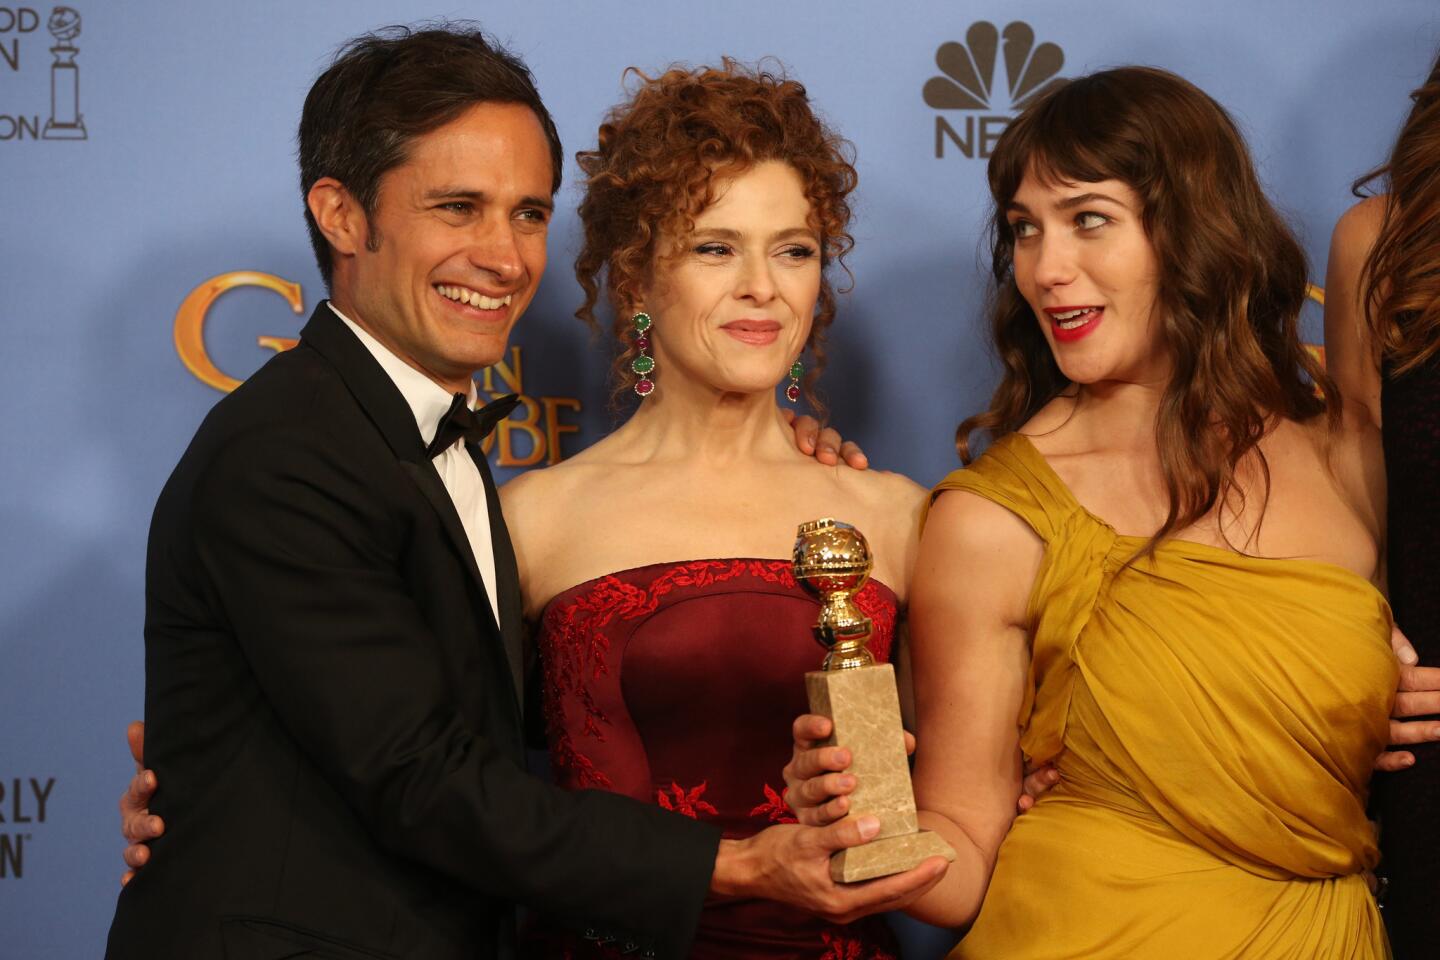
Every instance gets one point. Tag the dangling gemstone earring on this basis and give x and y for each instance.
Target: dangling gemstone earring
(643, 365)
(792, 392)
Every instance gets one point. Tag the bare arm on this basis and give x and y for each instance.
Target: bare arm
(971, 655)
(1352, 358)
(1350, 353)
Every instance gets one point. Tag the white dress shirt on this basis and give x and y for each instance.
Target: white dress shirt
(429, 402)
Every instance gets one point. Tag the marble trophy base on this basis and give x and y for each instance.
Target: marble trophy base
(865, 708)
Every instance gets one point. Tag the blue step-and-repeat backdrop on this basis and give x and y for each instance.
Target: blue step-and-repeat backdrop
(152, 255)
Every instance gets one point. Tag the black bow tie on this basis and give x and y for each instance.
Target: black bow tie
(474, 425)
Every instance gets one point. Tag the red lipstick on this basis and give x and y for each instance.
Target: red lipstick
(1075, 324)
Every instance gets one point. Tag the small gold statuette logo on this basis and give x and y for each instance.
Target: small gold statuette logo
(66, 122)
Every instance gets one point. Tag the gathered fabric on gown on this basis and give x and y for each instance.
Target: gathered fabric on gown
(676, 684)
(1215, 719)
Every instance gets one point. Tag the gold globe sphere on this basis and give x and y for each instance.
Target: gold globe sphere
(832, 560)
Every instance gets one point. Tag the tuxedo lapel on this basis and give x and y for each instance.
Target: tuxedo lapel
(367, 382)
(508, 603)
(383, 403)
(430, 484)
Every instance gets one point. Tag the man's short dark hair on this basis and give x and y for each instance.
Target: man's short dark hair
(386, 88)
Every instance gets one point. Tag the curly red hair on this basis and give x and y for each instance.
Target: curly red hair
(659, 159)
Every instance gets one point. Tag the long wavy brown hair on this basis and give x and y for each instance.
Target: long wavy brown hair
(1401, 276)
(1232, 277)
(660, 158)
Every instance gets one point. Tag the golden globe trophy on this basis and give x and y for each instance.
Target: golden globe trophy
(859, 696)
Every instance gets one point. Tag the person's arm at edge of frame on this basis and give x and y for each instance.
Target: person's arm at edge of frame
(1353, 361)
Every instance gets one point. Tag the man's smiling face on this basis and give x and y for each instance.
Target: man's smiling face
(456, 244)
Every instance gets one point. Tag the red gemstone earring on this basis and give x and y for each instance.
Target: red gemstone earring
(792, 392)
(643, 365)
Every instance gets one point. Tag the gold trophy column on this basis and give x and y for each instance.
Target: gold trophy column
(832, 559)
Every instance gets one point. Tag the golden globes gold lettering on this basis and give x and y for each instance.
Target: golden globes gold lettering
(530, 437)
(833, 561)
(1317, 294)
(190, 322)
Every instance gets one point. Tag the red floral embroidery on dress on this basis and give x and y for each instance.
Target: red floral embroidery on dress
(576, 644)
(842, 944)
(685, 801)
(879, 609)
(774, 809)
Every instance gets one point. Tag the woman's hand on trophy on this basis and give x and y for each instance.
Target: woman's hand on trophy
(137, 824)
(1418, 695)
(817, 786)
(824, 444)
(790, 864)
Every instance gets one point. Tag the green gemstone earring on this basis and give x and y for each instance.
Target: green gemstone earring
(792, 392)
(643, 365)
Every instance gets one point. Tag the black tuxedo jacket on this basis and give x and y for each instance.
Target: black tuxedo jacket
(335, 718)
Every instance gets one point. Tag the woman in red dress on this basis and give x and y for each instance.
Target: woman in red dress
(672, 635)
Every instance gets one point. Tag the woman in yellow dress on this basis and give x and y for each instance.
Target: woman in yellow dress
(1161, 574)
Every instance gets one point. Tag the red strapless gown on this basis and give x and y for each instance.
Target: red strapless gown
(676, 684)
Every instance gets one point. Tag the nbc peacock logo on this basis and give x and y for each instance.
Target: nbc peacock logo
(967, 82)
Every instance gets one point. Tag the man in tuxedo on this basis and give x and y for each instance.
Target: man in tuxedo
(333, 660)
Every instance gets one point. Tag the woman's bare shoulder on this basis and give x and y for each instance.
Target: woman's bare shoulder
(520, 491)
(1355, 456)
(1356, 230)
(557, 480)
(882, 485)
(1363, 219)
(883, 493)
(1044, 428)
(976, 551)
(541, 501)
(1348, 453)
(973, 524)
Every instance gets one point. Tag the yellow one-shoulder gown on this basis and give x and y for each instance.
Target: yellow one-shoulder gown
(1215, 717)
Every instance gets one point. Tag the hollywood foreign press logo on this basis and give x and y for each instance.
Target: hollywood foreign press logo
(968, 82)
(24, 805)
(19, 28)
